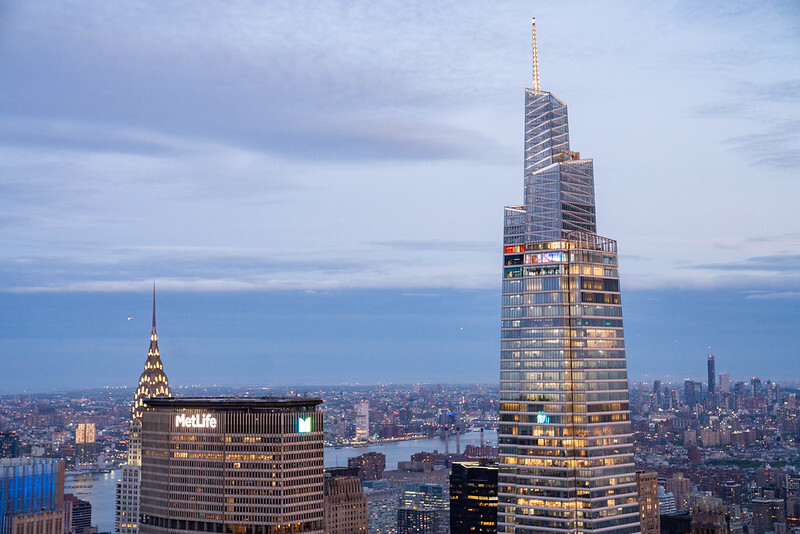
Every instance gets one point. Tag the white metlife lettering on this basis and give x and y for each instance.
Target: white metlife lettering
(205, 420)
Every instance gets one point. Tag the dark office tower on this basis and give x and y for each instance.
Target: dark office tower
(473, 498)
(9, 444)
(657, 393)
(712, 377)
(566, 454)
(345, 505)
(152, 383)
(229, 465)
(689, 393)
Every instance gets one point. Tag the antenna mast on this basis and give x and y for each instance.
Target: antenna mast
(535, 57)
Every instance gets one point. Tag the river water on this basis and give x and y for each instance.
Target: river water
(99, 488)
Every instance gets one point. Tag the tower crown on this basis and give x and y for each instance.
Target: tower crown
(559, 186)
(153, 381)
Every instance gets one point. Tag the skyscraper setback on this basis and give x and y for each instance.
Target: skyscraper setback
(566, 457)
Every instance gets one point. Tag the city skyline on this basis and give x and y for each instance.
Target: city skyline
(184, 147)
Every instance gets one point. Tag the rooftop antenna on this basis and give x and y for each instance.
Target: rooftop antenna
(535, 57)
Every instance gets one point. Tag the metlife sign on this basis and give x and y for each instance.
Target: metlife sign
(205, 420)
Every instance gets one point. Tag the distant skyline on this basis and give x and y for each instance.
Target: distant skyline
(242, 154)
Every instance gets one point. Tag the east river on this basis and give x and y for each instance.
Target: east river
(99, 488)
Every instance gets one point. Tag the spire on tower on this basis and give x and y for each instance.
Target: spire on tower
(153, 381)
(535, 57)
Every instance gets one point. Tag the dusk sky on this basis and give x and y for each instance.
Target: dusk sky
(317, 188)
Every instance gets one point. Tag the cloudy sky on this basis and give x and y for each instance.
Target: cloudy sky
(260, 157)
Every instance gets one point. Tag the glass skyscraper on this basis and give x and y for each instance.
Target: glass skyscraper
(566, 454)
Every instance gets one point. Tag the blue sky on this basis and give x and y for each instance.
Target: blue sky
(244, 154)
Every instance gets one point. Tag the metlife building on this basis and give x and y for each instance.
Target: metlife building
(232, 466)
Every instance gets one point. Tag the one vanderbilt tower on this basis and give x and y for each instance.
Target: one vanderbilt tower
(565, 435)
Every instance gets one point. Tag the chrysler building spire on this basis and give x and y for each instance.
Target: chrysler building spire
(153, 381)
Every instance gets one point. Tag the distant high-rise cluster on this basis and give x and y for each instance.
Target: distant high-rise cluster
(566, 453)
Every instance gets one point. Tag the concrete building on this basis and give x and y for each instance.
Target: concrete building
(679, 486)
(345, 505)
(708, 516)
(370, 465)
(647, 495)
(232, 465)
(768, 516)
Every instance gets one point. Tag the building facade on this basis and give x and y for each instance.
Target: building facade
(153, 382)
(227, 465)
(418, 521)
(647, 495)
(80, 514)
(382, 508)
(566, 456)
(473, 498)
(31, 496)
(370, 465)
(768, 516)
(345, 505)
